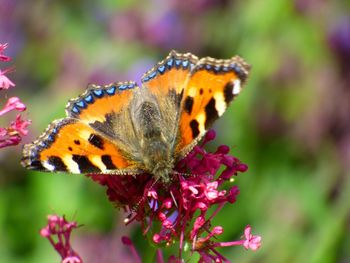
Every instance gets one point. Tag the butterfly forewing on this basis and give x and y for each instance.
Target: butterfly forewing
(211, 86)
(166, 81)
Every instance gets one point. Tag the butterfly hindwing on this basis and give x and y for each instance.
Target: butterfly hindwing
(212, 85)
(69, 145)
(107, 109)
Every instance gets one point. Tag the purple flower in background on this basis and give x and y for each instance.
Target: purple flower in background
(339, 41)
(157, 30)
(191, 6)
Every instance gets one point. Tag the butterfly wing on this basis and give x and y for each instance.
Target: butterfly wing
(211, 86)
(166, 82)
(96, 137)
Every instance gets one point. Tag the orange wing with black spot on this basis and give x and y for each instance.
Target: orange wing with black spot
(90, 139)
(166, 81)
(211, 86)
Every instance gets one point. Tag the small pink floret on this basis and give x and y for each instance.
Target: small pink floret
(152, 194)
(5, 82)
(72, 259)
(168, 203)
(2, 56)
(156, 238)
(20, 125)
(44, 232)
(3, 47)
(252, 242)
(13, 103)
(218, 230)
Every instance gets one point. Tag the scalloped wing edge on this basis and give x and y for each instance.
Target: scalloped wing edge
(93, 92)
(174, 59)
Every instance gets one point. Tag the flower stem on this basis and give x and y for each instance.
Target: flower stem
(151, 255)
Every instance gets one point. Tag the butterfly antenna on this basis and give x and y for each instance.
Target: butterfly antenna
(173, 197)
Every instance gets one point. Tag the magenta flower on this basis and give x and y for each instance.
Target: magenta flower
(13, 103)
(205, 247)
(11, 135)
(6, 139)
(179, 213)
(2, 56)
(20, 126)
(58, 232)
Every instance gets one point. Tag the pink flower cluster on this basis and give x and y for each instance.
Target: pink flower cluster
(11, 135)
(179, 212)
(58, 232)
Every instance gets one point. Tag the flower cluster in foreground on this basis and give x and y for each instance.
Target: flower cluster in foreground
(11, 135)
(172, 214)
(178, 213)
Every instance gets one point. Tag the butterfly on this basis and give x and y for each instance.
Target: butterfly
(122, 129)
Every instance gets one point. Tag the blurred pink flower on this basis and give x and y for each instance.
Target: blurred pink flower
(13, 103)
(58, 231)
(5, 82)
(252, 242)
(8, 140)
(2, 56)
(20, 125)
(11, 135)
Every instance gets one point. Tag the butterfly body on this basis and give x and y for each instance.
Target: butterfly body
(154, 145)
(123, 129)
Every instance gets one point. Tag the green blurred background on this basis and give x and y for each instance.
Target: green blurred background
(291, 125)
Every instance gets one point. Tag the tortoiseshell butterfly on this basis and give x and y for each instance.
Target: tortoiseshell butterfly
(122, 129)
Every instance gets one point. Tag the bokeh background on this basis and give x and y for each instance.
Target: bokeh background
(291, 125)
